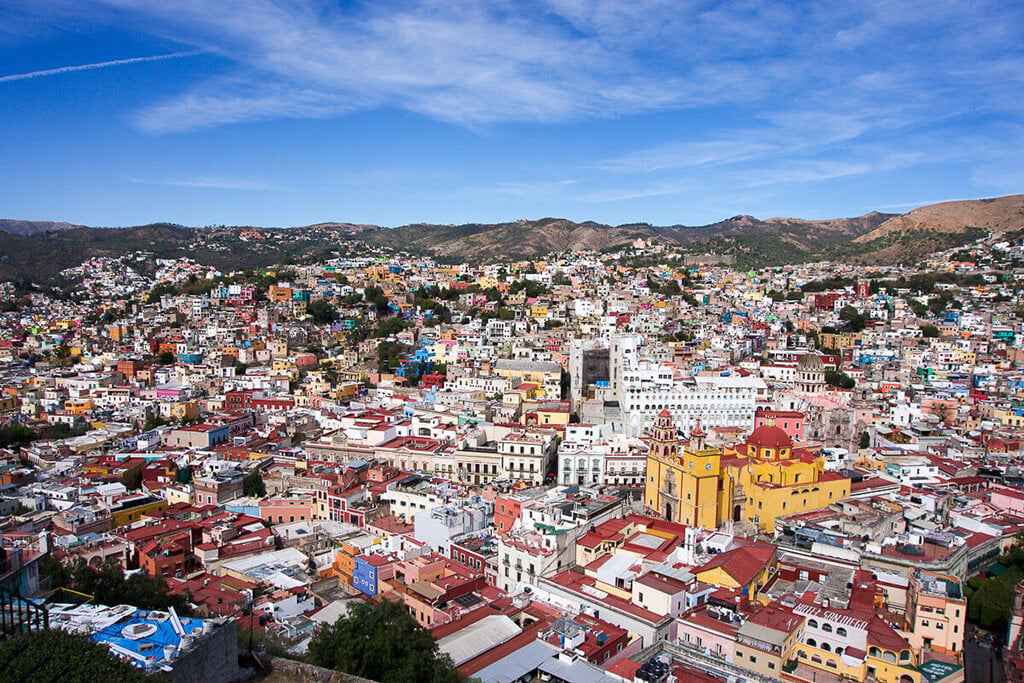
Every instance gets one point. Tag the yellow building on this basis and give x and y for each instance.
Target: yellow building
(78, 406)
(132, 511)
(753, 482)
(541, 414)
(487, 281)
(747, 568)
(682, 483)
(839, 340)
(184, 411)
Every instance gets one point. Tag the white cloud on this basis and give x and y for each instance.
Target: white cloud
(212, 183)
(477, 62)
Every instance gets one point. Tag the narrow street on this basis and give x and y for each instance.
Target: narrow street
(983, 662)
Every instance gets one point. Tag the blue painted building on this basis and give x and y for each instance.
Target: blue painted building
(365, 575)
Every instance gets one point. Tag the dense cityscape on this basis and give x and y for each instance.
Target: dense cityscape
(511, 341)
(593, 466)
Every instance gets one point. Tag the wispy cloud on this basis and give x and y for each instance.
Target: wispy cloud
(607, 195)
(529, 189)
(479, 62)
(212, 183)
(470, 62)
(743, 99)
(97, 65)
(926, 202)
(687, 154)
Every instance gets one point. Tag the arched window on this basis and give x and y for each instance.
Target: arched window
(802, 654)
(889, 657)
(841, 631)
(832, 664)
(816, 659)
(905, 656)
(839, 650)
(827, 628)
(826, 647)
(812, 642)
(874, 652)
(813, 623)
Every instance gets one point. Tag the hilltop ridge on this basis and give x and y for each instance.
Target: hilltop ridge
(41, 249)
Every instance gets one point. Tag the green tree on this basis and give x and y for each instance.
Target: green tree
(839, 379)
(375, 296)
(855, 322)
(382, 642)
(919, 309)
(61, 352)
(865, 440)
(388, 327)
(108, 585)
(322, 311)
(989, 605)
(152, 422)
(16, 436)
(166, 358)
(55, 655)
(253, 485)
(671, 288)
(929, 331)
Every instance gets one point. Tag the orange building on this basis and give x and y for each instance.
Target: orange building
(286, 510)
(506, 512)
(167, 556)
(279, 293)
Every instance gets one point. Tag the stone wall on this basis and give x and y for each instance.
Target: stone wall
(300, 672)
(213, 659)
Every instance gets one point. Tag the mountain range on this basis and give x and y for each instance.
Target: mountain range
(36, 250)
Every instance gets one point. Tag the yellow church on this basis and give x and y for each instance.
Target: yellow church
(756, 481)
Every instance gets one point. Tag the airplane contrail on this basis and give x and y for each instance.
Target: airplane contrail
(98, 65)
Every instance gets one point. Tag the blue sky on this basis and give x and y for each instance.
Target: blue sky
(288, 112)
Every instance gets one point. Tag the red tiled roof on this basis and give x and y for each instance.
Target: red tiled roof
(625, 668)
(883, 635)
(742, 564)
(769, 436)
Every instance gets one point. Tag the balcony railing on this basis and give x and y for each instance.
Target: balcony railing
(18, 615)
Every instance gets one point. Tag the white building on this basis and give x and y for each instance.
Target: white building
(592, 454)
(644, 388)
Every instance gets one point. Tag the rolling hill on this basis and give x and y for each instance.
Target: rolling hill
(999, 213)
(750, 239)
(18, 227)
(38, 250)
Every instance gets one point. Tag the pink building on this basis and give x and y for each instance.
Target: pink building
(709, 629)
(286, 510)
(789, 421)
(1010, 500)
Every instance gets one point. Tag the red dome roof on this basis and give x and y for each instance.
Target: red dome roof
(770, 436)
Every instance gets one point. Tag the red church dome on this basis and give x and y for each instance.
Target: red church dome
(770, 436)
